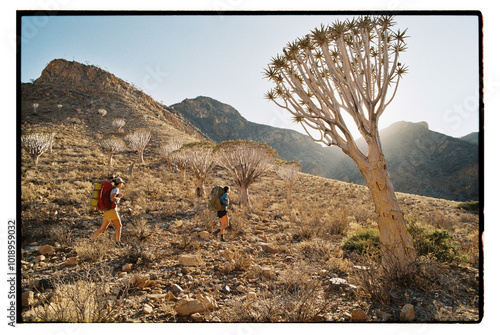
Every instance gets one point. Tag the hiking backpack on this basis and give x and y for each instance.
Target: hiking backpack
(214, 203)
(101, 196)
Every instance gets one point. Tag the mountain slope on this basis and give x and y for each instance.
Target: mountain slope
(419, 161)
(221, 122)
(82, 90)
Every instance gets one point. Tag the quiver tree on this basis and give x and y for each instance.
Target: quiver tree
(289, 172)
(59, 107)
(112, 145)
(35, 144)
(118, 124)
(201, 162)
(181, 160)
(102, 112)
(347, 73)
(35, 107)
(245, 161)
(138, 140)
(171, 145)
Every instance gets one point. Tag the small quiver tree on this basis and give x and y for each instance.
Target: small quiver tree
(36, 143)
(349, 71)
(118, 124)
(245, 161)
(35, 107)
(112, 145)
(180, 159)
(201, 162)
(289, 172)
(170, 146)
(138, 140)
(59, 107)
(102, 112)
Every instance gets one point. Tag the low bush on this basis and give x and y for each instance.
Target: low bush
(470, 206)
(365, 242)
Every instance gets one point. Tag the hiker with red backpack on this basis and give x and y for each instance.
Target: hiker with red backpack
(222, 214)
(108, 200)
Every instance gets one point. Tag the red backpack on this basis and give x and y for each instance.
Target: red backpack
(101, 197)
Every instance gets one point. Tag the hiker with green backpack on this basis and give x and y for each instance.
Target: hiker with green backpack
(218, 201)
(108, 199)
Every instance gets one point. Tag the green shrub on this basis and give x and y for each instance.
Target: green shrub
(470, 206)
(364, 242)
(436, 243)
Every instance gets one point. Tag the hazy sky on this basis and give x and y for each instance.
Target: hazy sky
(173, 57)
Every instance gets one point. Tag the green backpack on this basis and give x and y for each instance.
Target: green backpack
(214, 203)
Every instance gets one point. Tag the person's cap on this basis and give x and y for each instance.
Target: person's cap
(119, 181)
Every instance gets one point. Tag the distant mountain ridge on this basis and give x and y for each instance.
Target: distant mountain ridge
(419, 160)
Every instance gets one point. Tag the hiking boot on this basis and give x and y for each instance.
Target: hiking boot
(222, 238)
(216, 232)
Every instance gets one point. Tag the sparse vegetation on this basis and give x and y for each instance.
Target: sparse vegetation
(36, 143)
(281, 263)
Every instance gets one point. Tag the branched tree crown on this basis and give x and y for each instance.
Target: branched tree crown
(36, 143)
(347, 70)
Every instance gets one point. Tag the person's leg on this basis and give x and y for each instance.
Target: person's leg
(105, 224)
(224, 224)
(118, 230)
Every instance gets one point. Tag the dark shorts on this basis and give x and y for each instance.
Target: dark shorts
(221, 213)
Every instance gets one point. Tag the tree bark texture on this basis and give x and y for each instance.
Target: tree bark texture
(396, 242)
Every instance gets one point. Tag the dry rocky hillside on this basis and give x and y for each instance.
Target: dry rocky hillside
(314, 261)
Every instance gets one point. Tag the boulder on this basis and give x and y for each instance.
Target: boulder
(358, 315)
(186, 307)
(197, 317)
(44, 250)
(190, 260)
(407, 313)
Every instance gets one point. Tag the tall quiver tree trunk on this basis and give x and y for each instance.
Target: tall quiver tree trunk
(397, 246)
(341, 78)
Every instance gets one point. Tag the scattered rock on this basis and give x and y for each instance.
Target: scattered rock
(190, 260)
(147, 309)
(176, 289)
(269, 248)
(241, 288)
(251, 295)
(141, 282)
(45, 249)
(72, 261)
(407, 313)
(187, 307)
(384, 316)
(197, 317)
(358, 315)
(204, 235)
(127, 267)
